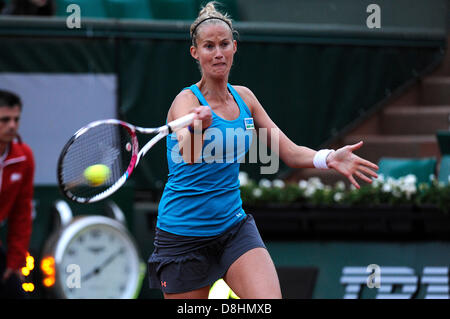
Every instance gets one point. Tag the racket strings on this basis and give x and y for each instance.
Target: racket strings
(107, 144)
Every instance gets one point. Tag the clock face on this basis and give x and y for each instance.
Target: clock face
(99, 261)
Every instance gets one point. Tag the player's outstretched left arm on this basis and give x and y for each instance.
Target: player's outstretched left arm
(342, 160)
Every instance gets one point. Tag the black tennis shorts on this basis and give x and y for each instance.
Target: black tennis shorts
(184, 263)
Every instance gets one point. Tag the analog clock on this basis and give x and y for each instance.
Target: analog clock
(92, 257)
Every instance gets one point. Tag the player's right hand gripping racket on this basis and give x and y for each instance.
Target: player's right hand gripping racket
(111, 143)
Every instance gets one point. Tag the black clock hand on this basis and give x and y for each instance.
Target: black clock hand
(107, 261)
(89, 275)
(111, 258)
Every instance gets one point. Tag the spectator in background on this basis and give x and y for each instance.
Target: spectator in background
(16, 193)
(30, 7)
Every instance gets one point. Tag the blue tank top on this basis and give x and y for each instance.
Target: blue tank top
(203, 198)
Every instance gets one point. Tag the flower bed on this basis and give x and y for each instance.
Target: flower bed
(388, 209)
(386, 193)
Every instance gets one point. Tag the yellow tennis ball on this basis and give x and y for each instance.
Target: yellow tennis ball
(97, 174)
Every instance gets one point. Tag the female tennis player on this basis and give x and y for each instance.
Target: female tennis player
(202, 232)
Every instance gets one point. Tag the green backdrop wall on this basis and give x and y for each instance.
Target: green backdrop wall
(313, 82)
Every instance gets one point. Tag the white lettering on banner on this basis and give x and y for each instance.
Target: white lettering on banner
(374, 19)
(373, 281)
(74, 19)
(396, 282)
(436, 278)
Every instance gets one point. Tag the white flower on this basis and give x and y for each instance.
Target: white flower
(391, 181)
(309, 191)
(387, 188)
(303, 184)
(410, 179)
(278, 183)
(340, 185)
(243, 178)
(315, 183)
(257, 192)
(432, 178)
(406, 185)
(311, 186)
(410, 190)
(376, 183)
(338, 197)
(265, 183)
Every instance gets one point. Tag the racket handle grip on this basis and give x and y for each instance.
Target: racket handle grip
(181, 122)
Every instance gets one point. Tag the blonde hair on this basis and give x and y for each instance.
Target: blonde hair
(210, 15)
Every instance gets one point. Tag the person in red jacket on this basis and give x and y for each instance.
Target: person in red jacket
(16, 193)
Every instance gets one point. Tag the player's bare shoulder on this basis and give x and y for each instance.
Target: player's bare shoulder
(184, 103)
(243, 91)
(247, 95)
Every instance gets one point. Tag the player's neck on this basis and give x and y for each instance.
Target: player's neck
(213, 89)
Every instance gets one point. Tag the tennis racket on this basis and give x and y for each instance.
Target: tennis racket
(113, 145)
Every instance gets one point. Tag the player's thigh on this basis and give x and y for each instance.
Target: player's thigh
(201, 293)
(253, 276)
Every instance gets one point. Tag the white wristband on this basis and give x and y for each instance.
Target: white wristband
(320, 159)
